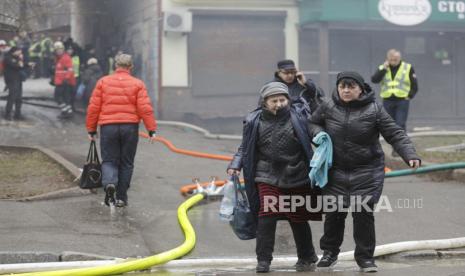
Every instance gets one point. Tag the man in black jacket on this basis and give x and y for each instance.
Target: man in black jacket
(13, 66)
(298, 84)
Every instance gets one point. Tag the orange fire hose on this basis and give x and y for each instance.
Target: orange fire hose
(187, 152)
(187, 189)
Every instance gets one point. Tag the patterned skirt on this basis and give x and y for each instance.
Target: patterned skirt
(270, 195)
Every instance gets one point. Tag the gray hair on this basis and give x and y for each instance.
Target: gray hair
(124, 60)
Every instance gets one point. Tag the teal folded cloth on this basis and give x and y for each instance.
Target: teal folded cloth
(322, 160)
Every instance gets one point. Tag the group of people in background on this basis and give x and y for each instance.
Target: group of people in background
(73, 70)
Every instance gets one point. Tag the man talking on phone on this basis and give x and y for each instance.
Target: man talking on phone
(298, 84)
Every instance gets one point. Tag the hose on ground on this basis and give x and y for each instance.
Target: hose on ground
(170, 146)
(189, 189)
(397, 247)
(145, 263)
(427, 169)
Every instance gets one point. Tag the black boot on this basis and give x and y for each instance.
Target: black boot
(306, 265)
(367, 266)
(263, 267)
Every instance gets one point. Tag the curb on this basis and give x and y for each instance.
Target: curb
(72, 256)
(7, 257)
(60, 160)
(27, 257)
(424, 255)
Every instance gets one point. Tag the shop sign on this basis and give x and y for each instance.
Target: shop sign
(452, 7)
(405, 12)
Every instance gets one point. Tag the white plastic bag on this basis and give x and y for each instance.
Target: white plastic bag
(228, 202)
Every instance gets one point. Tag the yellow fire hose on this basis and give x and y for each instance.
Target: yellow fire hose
(145, 263)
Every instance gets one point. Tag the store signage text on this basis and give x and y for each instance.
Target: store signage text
(405, 12)
(452, 7)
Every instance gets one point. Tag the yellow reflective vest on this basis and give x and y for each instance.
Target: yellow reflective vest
(400, 85)
(34, 51)
(76, 64)
(46, 45)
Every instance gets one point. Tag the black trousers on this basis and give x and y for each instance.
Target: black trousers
(15, 96)
(364, 233)
(266, 231)
(36, 71)
(64, 94)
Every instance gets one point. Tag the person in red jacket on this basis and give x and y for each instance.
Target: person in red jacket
(64, 79)
(118, 103)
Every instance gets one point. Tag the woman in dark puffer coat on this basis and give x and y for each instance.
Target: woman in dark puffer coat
(354, 122)
(274, 155)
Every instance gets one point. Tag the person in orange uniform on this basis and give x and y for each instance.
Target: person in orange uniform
(64, 79)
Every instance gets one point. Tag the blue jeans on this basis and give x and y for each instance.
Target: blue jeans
(398, 109)
(118, 144)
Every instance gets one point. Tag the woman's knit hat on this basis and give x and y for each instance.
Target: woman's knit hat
(274, 88)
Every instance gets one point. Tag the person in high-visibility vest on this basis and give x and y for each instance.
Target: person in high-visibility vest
(76, 62)
(35, 56)
(46, 47)
(76, 69)
(399, 85)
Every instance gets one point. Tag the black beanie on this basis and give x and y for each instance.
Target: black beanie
(351, 75)
(356, 77)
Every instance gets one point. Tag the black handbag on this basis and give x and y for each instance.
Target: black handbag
(243, 223)
(91, 176)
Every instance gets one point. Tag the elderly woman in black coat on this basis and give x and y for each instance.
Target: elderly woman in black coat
(274, 155)
(354, 122)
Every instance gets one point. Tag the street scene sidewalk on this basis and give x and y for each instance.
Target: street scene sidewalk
(421, 209)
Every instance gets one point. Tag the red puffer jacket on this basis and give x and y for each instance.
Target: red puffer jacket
(64, 70)
(120, 98)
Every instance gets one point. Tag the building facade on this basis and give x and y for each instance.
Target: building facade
(214, 68)
(355, 35)
(214, 65)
